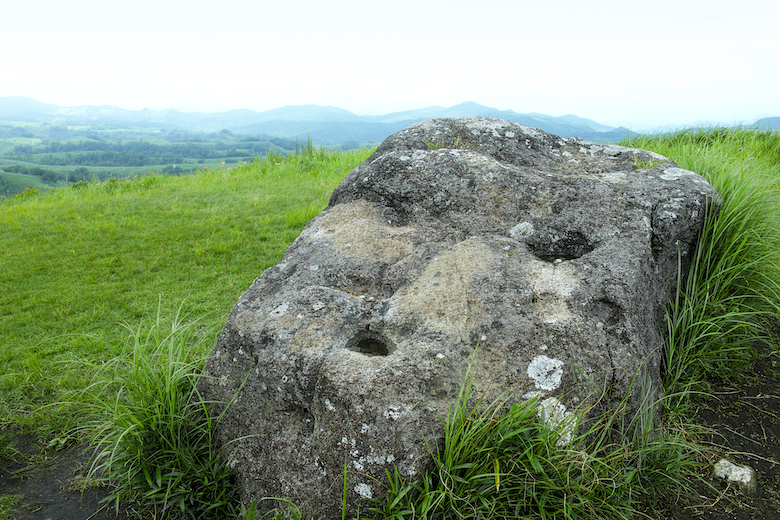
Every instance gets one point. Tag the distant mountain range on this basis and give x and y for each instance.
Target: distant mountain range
(323, 124)
(768, 123)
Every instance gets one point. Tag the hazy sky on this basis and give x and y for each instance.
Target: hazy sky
(617, 62)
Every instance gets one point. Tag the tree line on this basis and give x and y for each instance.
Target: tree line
(58, 154)
(132, 153)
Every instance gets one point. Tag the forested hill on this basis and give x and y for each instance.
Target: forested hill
(42, 155)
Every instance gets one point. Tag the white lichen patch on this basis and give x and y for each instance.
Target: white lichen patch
(393, 412)
(363, 490)
(674, 174)
(346, 443)
(329, 406)
(320, 465)
(522, 230)
(375, 457)
(546, 372)
(554, 413)
(280, 310)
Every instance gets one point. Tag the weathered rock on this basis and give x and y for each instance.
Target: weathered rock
(743, 476)
(553, 255)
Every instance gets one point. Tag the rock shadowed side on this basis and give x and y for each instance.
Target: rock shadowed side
(554, 255)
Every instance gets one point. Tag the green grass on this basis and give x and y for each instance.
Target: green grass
(7, 503)
(76, 262)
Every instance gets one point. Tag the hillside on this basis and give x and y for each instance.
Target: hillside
(768, 123)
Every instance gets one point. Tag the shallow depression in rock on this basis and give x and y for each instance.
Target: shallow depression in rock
(370, 344)
(569, 247)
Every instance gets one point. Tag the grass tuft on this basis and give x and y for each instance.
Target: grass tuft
(152, 432)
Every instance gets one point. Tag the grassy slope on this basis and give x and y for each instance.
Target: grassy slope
(12, 183)
(76, 262)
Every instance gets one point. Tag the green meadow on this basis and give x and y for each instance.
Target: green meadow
(78, 261)
(124, 284)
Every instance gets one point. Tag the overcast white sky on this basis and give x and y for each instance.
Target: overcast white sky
(617, 62)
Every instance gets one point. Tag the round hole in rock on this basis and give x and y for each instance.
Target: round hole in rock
(567, 247)
(370, 344)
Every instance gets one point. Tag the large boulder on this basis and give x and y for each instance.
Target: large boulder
(551, 257)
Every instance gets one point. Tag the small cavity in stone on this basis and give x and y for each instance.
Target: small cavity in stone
(568, 247)
(369, 343)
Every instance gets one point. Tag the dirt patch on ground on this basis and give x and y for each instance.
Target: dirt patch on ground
(744, 418)
(50, 484)
(745, 423)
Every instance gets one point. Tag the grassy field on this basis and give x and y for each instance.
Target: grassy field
(78, 262)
